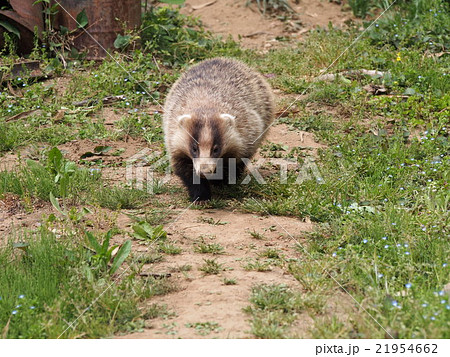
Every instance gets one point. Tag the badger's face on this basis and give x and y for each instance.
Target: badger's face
(208, 138)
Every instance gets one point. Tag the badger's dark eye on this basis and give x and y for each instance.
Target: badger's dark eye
(215, 150)
(194, 149)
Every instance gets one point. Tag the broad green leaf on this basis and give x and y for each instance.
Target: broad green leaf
(122, 254)
(55, 203)
(122, 41)
(82, 19)
(21, 245)
(93, 242)
(10, 28)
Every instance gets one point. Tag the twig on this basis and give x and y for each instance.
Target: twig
(198, 7)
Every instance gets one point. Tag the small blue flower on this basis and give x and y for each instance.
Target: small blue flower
(406, 245)
(32, 307)
(394, 303)
(380, 275)
(408, 285)
(394, 224)
(443, 301)
(407, 253)
(127, 103)
(365, 241)
(432, 318)
(334, 254)
(383, 238)
(398, 245)
(424, 304)
(444, 265)
(441, 293)
(447, 307)
(14, 312)
(386, 246)
(21, 296)
(18, 306)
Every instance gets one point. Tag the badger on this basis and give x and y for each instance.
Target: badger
(215, 116)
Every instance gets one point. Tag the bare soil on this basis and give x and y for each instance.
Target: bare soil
(248, 25)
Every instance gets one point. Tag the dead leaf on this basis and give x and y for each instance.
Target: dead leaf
(59, 116)
(375, 89)
(24, 114)
(14, 92)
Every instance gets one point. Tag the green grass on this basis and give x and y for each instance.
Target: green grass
(47, 283)
(273, 309)
(381, 209)
(120, 198)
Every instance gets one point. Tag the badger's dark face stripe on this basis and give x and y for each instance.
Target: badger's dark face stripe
(196, 129)
(217, 138)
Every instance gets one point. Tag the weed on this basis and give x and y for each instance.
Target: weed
(36, 267)
(211, 267)
(211, 221)
(144, 231)
(208, 248)
(229, 281)
(270, 253)
(182, 268)
(258, 265)
(157, 310)
(257, 235)
(205, 328)
(104, 253)
(169, 248)
(273, 310)
(116, 198)
(179, 39)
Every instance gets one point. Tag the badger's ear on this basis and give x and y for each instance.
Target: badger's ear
(183, 118)
(228, 118)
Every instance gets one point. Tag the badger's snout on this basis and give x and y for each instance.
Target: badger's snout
(205, 166)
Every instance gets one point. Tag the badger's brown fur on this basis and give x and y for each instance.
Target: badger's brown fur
(218, 109)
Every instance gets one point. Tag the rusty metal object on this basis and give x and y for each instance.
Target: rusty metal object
(106, 18)
(25, 18)
(24, 69)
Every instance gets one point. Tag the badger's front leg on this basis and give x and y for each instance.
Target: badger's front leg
(198, 187)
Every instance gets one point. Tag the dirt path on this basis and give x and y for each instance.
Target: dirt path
(245, 23)
(205, 298)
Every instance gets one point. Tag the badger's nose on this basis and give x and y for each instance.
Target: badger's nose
(205, 166)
